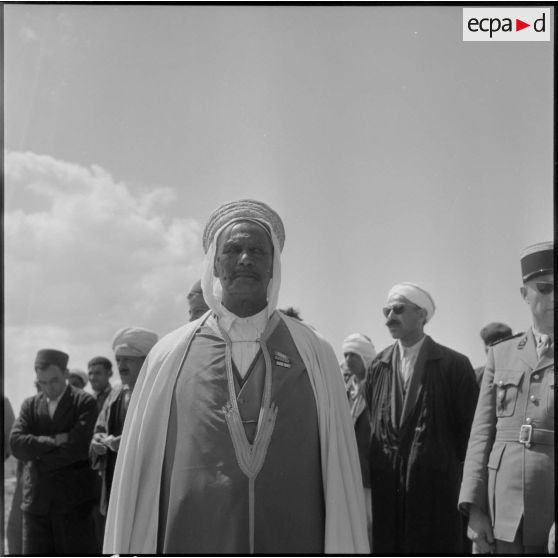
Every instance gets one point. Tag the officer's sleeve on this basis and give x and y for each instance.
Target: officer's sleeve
(467, 392)
(474, 488)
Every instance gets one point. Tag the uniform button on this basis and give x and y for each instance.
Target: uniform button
(528, 420)
(501, 383)
(536, 376)
(533, 398)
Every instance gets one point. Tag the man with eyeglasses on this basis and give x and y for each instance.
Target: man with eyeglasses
(421, 397)
(508, 479)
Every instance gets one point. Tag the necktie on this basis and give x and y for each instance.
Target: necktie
(544, 347)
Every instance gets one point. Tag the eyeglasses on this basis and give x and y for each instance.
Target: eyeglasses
(544, 287)
(396, 309)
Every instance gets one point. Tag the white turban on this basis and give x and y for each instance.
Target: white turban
(80, 374)
(222, 217)
(243, 210)
(362, 346)
(133, 341)
(415, 294)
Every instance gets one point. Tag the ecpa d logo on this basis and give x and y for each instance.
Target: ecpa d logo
(506, 24)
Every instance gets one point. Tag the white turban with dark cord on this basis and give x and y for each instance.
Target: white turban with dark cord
(415, 294)
(243, 210)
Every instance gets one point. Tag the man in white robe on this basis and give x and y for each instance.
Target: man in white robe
(243, 241)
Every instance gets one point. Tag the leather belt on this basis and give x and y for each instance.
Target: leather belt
(526, 434)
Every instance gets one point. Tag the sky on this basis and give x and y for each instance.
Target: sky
(392, 150)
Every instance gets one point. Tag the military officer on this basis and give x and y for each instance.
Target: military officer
(508, 478)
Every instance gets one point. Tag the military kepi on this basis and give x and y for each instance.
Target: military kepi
(537, 259)
(46, 357)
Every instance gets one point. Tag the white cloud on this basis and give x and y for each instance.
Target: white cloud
(92, 256)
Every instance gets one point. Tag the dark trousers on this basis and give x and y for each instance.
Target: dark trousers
(99, 519)
(14, 529)
(70, 534)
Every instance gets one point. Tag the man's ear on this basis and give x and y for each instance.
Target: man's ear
(66, 374)
(523, 291)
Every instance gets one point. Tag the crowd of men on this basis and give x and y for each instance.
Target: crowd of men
(237, 433)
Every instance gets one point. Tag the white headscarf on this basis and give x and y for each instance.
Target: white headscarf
(211, 285)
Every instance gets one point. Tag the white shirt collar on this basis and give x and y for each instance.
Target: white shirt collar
(413, 350)
(538, 336)
(228, 320)
(55, 401)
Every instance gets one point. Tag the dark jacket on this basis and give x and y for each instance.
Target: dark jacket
(110, 421)
(416, 466)
(56, 479)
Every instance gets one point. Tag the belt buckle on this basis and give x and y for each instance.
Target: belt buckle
(525, 433)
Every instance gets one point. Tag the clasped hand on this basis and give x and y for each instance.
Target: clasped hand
(102, 442)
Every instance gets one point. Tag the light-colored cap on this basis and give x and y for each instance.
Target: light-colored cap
(80, 374)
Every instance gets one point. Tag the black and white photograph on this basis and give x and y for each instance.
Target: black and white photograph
(278, 278)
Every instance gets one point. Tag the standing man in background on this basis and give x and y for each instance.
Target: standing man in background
(130, 345)
(197, 306)
(99, 370)
(359, 352)
(421, 397)
(52, 435)
(508, 479)
(77, 378)
(490, 334)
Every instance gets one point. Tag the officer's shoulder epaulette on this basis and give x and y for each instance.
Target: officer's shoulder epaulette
(508, 338)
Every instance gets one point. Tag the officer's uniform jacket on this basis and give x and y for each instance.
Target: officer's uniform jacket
(503, 476)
